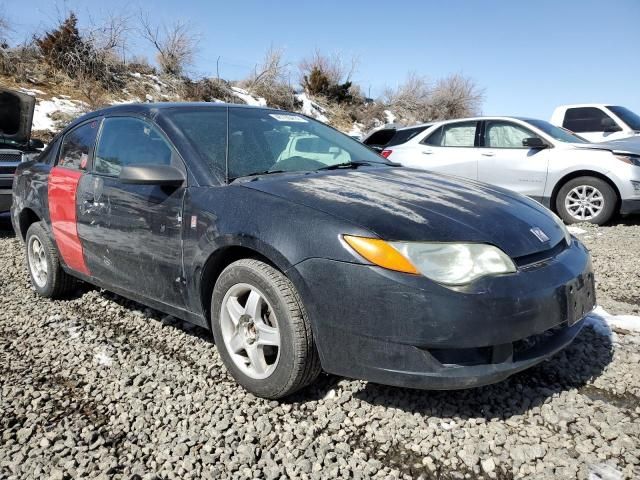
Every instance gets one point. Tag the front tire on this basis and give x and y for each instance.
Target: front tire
(261, 330)
(47, 276)
(586, 199)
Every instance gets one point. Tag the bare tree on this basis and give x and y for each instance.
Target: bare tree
(110, 34)
(5, 27)
(270, 80)
(455, 96)
(273, 70)
(175, 44)
(410, 100)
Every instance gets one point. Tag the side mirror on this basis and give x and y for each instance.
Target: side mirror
(609, 125)
(36, 144)
(151, 175)
(534, 142)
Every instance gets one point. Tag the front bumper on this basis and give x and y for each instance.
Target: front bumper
(5, 199)
(404, 330)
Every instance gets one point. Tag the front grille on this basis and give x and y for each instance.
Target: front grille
(10, 157)
(7, 169)
(539, 257)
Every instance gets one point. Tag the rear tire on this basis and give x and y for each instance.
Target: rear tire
(47, 276)
(586, 199)
(261, 330)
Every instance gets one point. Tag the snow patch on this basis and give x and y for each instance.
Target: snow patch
(602, 471)
(603, 322)
(247, 98)
(575, 230)
(103, 358)
(389, 116)
(311, 108)
(356, 131)
(45, 108)
(31, 91)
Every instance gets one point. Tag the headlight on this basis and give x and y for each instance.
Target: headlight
(628, 158)
(447, 263)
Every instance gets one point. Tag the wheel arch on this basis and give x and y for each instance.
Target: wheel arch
(221, 258)
(582, 173)
(26, 218)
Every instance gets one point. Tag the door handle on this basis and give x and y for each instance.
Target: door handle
(488, 154)
(427, 152)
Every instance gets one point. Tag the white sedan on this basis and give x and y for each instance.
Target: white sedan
(581, 182)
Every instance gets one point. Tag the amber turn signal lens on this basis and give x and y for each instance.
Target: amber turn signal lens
(380, 253)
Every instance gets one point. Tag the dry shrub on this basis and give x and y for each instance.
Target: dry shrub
(270, 81)
(209, 90)
(417, 101)
(65, 50)
(329, 77)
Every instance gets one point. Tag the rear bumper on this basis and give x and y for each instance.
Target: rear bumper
(405, 330)
(628, 207)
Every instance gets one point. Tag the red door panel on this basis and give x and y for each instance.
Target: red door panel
(63, 185)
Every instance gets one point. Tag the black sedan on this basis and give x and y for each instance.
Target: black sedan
(301, 248)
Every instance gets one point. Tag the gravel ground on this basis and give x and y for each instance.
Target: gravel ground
(97, 386)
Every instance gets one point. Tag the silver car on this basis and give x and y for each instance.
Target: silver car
(581, 182)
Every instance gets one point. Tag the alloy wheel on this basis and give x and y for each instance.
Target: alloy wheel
(38, 262)
(584, 202)
(250, 331)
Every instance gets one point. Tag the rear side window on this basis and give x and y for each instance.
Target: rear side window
(130, 141)
(453, 135)
(406, 134)
(77, 146)
(584, 119)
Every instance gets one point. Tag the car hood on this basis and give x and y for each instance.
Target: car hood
(414, 205)
(16, 116)
(630, 145)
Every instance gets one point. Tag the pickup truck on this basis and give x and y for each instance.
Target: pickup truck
(16, 145)
(598, 122)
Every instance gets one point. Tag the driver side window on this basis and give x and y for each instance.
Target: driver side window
(505, 135)
(130, 141)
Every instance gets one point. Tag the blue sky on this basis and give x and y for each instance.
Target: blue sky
(529, 56)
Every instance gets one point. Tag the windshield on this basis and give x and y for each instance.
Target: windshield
(558, 133)
(627, 116)
(267, 141)
(264, 141)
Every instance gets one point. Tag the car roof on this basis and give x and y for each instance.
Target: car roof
(151, 109)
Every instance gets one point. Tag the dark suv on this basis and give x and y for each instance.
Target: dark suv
(16, 115)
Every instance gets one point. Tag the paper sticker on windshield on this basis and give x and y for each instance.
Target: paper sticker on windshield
(288, 118)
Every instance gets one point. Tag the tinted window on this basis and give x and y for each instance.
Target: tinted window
(130, 141)
(265, 140)
(585, 119)
(406, 134)
(453, 135)
(206, 130)
(505, 135)
(630, 118)
(77, 146)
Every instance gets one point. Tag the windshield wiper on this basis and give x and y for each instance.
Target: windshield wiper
(257, 174)
(354, 164)
(358, 163)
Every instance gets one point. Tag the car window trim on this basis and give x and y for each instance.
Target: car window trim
(181, 165)
(89, 166)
